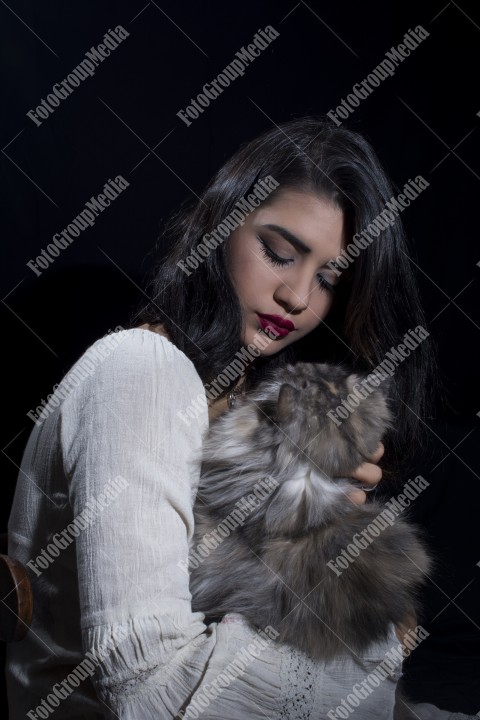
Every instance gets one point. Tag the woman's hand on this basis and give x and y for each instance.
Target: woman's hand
(401, 631)
(369, 474)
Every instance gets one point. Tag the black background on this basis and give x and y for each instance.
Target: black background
(423, 120)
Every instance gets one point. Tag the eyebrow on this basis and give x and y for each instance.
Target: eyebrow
(296, 242)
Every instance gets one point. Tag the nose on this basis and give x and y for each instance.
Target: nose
(293, 296)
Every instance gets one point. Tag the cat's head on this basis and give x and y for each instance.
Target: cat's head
(334, 417)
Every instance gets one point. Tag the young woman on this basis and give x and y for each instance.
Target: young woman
(102, 514)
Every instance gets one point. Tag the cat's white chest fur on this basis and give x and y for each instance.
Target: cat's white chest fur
(311, 482)
(308, 494)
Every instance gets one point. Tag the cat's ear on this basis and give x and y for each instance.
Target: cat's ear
(373, 382)
(287, 403)
(374, 416)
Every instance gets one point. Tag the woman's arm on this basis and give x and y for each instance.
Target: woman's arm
(126, 422)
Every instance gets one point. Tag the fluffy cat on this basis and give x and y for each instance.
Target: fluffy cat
(272, 567)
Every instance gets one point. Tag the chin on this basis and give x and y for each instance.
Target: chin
(264, 343)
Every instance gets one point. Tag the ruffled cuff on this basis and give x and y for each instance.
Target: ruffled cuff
(148, 667)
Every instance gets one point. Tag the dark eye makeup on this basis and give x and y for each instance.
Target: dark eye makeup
(275, 259)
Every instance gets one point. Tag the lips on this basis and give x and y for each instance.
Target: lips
(280, 326)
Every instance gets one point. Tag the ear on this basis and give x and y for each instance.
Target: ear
(287, 402)
(381, 383)
(387, 386)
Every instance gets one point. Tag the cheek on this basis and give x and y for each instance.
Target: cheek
(250, 272)
(241, 259)
(254, 285)
(319, 307)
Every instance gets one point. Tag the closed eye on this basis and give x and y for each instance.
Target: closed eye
(270, 255)
(275, 259)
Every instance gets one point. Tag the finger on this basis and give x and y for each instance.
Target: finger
(378, 453)
(357, 496)
(402, 629)
(407, 623)
(368, 473)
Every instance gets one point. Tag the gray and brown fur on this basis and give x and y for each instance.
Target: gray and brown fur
(273, 569)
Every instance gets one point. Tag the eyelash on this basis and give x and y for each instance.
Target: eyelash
(276, 260)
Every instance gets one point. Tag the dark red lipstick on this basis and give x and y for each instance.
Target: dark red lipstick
(280, 326)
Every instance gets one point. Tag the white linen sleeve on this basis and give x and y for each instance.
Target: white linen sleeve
(132, 461)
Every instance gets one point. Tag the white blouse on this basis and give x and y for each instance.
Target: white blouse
(102, 517)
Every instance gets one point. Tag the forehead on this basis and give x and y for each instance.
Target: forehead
(312, 218)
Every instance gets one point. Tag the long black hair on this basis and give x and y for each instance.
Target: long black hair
(378, 300)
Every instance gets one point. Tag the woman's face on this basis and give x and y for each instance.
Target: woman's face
(272, 276)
